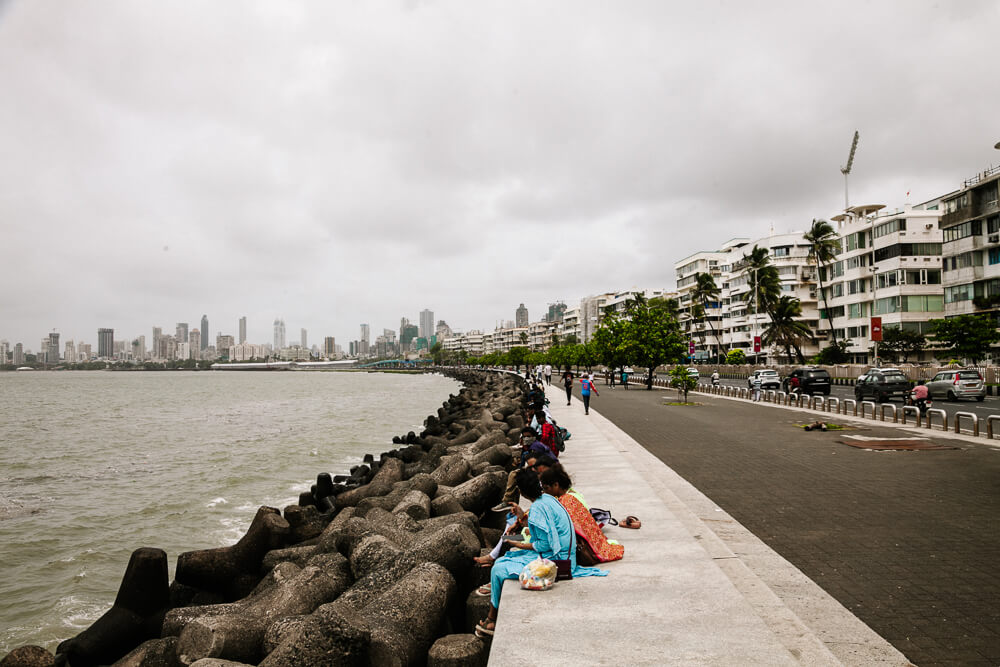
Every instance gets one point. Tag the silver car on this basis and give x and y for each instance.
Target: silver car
(957, 384)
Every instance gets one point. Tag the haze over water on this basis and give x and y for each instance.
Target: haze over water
(96, 464)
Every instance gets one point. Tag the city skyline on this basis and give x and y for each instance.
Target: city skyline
(183, 185)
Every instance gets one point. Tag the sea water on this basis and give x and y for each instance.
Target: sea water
(94, 465)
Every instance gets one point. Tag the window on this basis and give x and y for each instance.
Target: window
(922, 303)
(781, 251)
(837, 289)
(957, 293)
(965, 260)
(856, 262)
(923, 277)
(854, 241)
(988, 195)
(994, 255)
(857, 332)
(836, 269)
(890, 227)
(957, 203)
(857, 286)
(887, 305)
(907, 250)
(836, 311)
(887, 279)
(993, 224)
(964, 230)
(856, 310)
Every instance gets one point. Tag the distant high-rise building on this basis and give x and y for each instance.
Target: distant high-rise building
(243, 329)
(4, 351)
(426, 323)
(18, 358)
(305, 345)
(182, 332)
(366, 335)
(139, 349)
(279, 334)
(204, 332)
(69, 352)
(83, 351)
(52, 353)
(194, 339)
(105, 343)
(407, 335)
(183, 351)
(442, 330)
(521, 316)
(157, 334)
(556, 312)
(224, 343)
(329, 347)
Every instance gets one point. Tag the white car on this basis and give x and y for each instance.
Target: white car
(769, 378)
(693, 372)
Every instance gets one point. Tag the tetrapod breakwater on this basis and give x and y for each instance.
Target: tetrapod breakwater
(373, 566)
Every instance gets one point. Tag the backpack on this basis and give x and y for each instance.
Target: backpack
(603, 517)
(561, 436)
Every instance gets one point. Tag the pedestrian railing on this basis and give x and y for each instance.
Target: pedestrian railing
(850, 406)
(937, 411)
(966, 415)
(910, 408)
(989, 425)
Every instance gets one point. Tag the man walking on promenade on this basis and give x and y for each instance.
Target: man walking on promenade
(548, 374)
(568, 383)
(586, 386)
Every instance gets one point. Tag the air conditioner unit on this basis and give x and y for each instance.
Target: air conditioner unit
(812, 295)
(929, 225)
(994, 238)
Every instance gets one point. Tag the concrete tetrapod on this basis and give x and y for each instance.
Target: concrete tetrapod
(239, 635)
(137, 614)
(234, 571)
(393, 628)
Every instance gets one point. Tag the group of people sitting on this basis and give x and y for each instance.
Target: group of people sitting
(558, 525)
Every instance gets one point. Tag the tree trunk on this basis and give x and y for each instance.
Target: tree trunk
(826, 303)
(649, 378)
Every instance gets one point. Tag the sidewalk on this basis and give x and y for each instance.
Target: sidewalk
(687, 591)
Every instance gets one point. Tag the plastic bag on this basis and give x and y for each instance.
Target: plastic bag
(538, 575)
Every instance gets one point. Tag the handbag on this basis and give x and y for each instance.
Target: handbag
(564, 568)
(584, 554)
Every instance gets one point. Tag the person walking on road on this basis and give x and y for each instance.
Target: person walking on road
(586, 386)
(756, 387)
(625, 378)
(548, 374)
(568, 383)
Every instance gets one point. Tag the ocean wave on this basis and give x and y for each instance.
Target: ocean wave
(217, 501)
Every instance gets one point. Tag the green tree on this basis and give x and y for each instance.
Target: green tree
(899, 342)
(706, 291)
(680, 379)
(523, 337)
(834, 353)
(736, 357)
(763, 280)
(437, 353)
(966, 336)
(785, 329)
(517, 356)
(824, 246)
(609, 343)
(652, 335)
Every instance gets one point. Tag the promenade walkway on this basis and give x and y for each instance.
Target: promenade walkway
(694, 588)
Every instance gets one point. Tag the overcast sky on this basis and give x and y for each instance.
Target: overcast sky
(333, 163)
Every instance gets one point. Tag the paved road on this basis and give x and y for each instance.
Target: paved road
(908, 541)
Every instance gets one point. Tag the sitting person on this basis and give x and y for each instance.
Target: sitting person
(552, 537)
(556, 482)
(531, 447)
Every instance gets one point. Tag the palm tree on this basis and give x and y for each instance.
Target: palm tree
(763, 280)
(824, 246)
(786, 329)
(706, 290)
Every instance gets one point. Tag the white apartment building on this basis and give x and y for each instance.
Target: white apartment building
(247, 351)
(717, 263)
(970, 224)
(889, 267)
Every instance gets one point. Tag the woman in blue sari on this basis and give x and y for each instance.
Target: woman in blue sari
(552, 536)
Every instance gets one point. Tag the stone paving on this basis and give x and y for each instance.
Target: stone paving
(907, 541)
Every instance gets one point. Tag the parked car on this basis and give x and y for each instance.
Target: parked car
(693, 372)
(882, 384)
(810, 380)
(956, 384)
(875, 368)
(769, 379)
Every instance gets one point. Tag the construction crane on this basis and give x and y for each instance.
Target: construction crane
(850, 162)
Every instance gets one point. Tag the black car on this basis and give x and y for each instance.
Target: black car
(808, 381)
(882, 385)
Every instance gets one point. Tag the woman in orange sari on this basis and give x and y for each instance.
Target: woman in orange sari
(556, 482)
